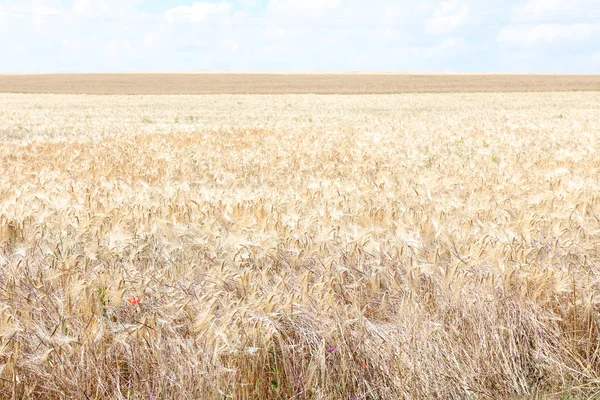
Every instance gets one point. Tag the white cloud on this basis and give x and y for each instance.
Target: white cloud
(135, 35)
(425, 58)
(551, 10)
(545, 22)
(545, 34)
(80, 43)
(106, 8)
(272, 31)
(198, 12)
(115, 48)
(449, 16)
(448, 47)
(230, 44)
(82, 6)
(3, 18)
(594, 62)
(303, 8)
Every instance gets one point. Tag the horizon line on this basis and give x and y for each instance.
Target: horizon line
(288, 72)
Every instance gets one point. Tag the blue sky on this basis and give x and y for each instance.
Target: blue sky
(266, 35)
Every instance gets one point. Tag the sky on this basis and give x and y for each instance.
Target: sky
(286, 35)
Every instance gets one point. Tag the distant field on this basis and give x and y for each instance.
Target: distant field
(325, 83)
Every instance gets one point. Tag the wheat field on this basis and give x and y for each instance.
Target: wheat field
(410, 246)
(291, 83)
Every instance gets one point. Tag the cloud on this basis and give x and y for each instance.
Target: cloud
(546, 34)
(304, 8)
(106, 8)
(137, 35)
(594, 62)
(230, 44)
(82, 6)
(546, 22)
(449, 16)
(80, 43)
(115, 48)
(551, 10)
(447, 48)
(198, 12)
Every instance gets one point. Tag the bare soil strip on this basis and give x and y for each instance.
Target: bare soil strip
(322, 83)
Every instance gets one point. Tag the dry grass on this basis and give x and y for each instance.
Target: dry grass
(306, 247)
(320, 83)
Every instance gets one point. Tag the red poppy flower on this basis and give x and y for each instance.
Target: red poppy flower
(364, 364)
(134, 300)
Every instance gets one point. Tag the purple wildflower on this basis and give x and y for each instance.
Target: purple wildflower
(331, 349)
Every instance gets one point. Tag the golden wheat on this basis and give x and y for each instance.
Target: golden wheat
(299, 246)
